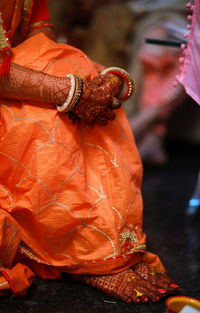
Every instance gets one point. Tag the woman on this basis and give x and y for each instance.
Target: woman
(64, 204)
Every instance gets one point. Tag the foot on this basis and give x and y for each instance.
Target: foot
(131, 286)
(163, 283)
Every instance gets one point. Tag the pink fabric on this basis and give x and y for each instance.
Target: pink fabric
(190, 74)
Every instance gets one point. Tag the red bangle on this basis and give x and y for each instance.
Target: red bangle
(126, 77)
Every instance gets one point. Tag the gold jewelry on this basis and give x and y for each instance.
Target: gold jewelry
(74, 95)
(78, 91)
(126, 77)
(65, 107)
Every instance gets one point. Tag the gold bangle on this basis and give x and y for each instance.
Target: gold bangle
(74, 95)
(78, 92)
(126, 77)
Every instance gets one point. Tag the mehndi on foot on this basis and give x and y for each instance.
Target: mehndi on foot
(138, 284)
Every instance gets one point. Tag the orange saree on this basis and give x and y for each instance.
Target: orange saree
(70, 197)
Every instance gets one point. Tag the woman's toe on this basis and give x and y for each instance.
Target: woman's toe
(144, 299)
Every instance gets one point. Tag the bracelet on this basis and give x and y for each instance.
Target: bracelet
(78, 92)
(65, 107)
(126, 77)
(74, 93)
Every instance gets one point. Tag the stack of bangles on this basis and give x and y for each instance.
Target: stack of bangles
(74, 94)
(77, 88)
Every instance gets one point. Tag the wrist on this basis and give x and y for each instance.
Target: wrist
(55, 89)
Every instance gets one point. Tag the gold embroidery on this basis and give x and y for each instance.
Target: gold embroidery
(3, 42)
(39, 23)
(8, 195)
(127, 235)
(128, 240)
(3, 284)
(136, 248)
(28, 252)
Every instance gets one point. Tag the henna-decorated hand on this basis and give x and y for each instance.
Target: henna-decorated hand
(98, 99)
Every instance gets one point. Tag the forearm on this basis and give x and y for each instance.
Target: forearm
(27, 84)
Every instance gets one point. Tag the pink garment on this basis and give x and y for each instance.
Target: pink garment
(190, 73)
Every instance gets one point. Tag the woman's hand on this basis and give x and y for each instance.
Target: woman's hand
(96, 104)
(98, 99)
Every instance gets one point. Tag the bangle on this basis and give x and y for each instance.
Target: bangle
(126, 77)
(65, 107)
(74, 93)
(78, 91)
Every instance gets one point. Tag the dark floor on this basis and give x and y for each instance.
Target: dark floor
(166, 192)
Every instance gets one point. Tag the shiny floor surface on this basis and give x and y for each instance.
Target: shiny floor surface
(176, 239)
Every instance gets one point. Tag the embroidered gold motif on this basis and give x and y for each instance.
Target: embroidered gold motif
(28, 253)
(39, 23)
(3, 42)
(3, 284)
(128, 239)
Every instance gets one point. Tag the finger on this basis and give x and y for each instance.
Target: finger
(116, 104)
(165, 282)
(154, 296)
(102, 121)
(135, 298)
(110, 115)
(89, 121)
(100, 79)
(73, 117)
(160, 277)
(144, 299)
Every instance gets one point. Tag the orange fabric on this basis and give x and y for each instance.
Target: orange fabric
(19, 278)
(16, 277)
(72, 191)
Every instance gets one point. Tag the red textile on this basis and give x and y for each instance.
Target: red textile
(40, 11)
